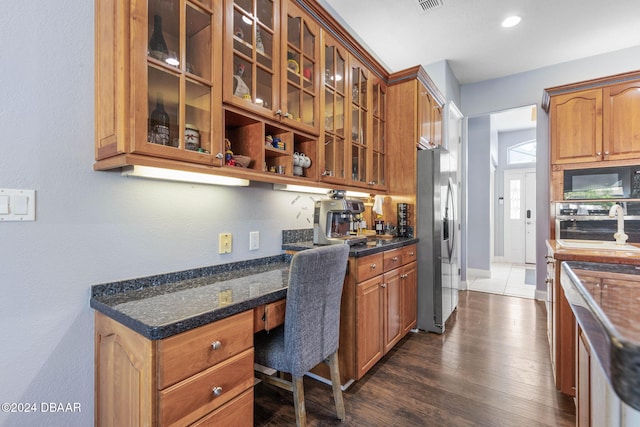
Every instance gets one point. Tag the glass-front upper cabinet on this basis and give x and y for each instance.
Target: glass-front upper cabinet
(359, 135)
(181, 99)
(301, 58)
(334, 99)
(251, 55)
(271, 61)
(379, 134)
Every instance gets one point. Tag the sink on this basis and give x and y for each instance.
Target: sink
(596, 245)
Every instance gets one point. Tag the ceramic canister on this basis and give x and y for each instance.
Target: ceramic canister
(191, 137)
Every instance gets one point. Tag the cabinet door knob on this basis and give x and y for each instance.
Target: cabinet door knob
(216, 345)
(384, 285)
(606, 153)
(219, 156)
(217, 391)
(599, 153)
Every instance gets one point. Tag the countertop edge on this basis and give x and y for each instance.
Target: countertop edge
(623, 370)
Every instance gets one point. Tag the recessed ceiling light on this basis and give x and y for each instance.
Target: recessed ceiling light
(511, 21)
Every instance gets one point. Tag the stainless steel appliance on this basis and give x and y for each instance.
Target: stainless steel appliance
(619, 182)
(332, 220)
(589, 220)
(438, 233)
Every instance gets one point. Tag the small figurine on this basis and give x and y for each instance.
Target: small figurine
(228, 154)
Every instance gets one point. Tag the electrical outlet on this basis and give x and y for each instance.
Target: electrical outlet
(224, 243)
(254, 240)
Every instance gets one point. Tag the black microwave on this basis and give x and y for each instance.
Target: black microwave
(620, 182)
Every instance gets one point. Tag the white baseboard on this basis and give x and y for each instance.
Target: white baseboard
(541, 295)
(476, 272)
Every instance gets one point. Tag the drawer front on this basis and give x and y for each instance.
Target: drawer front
(369, 266)
(268, 316)
(392, 259)
(190, 352)
(196, 396)
(409, 254)
(237, 413)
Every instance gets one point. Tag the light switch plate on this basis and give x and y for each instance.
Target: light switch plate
(254, 240)
(17, 205)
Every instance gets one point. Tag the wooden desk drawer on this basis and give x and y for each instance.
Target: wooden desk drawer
(190, 352)
(369, 266)
(409, 254)
(237, 413)
(193, 398)
(392, 259)
(268, 316)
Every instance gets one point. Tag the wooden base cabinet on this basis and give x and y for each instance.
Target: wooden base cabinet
(562, 323)
(202, 376)
(378, 309)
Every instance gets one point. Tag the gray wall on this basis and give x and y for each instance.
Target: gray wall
(479, 199)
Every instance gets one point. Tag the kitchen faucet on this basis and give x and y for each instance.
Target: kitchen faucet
(620, 236)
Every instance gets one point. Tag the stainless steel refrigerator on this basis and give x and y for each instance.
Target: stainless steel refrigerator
(438, 231)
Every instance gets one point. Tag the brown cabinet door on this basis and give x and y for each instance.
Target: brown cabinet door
(409, 297)
(576, 127)
(392, 285)
(621, 112)
(369, 306)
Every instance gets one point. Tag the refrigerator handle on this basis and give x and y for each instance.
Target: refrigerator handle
(451, 204)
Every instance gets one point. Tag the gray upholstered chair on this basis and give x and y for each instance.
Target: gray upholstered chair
(311, 327)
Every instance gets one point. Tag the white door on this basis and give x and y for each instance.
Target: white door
(530, 217)
(519, 216)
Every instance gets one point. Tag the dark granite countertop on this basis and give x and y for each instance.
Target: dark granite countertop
(160, 306)
(373, 246)
(605, 299)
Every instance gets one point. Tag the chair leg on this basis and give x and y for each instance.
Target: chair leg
(298, 401)
(335, 384)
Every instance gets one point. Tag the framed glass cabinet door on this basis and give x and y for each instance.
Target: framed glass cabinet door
(179, 80)
(359, 123)
(251, 55)
(335, 107)
(300, 101)
(379, 134)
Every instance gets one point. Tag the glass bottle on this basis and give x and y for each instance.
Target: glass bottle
(159, 123)
(157, 46)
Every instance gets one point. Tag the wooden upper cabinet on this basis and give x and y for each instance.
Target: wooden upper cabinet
(359, 121)
(334, 100)
(576, 127)
(157, 92)
(621, 121)
(271, 61)
(378, 173)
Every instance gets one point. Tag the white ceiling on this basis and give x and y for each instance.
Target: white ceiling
(468, 34)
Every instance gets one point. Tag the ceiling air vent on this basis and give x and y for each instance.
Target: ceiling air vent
(427, 5)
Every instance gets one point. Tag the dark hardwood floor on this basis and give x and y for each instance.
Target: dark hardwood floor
(490, 368)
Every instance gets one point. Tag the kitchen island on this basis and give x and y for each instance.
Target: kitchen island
(605, 299)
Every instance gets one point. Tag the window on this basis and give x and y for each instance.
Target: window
(525, 152)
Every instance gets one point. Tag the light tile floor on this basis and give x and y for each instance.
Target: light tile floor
(506, 279)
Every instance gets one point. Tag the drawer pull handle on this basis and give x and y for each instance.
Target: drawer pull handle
(373, 266)
(216, 345)
(394, 259)
(412, 253)
(217, 391)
